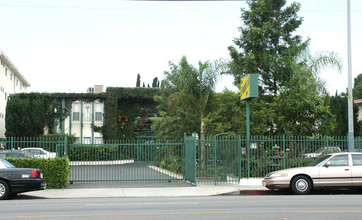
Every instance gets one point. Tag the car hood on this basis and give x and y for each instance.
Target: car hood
(310, 170)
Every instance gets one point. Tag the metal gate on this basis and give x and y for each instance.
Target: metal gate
(127, 161)
(219, 159)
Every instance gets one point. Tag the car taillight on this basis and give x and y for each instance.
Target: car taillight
(34, 174)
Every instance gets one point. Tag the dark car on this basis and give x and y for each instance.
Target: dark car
(17, 180)
(16, 154)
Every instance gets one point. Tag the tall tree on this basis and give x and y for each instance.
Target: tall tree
(357, 87)
(155, 83)
(190, 91)
(339, 108)
(299, 108)
(26, 117)
(138, 83)
(266, 45)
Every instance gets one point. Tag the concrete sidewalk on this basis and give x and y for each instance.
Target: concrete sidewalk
(141, 190)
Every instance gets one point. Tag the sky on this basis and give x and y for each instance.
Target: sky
(71, 45)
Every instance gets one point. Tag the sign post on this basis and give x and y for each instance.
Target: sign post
(249, 89)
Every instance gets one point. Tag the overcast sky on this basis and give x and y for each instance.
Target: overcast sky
(70, 45)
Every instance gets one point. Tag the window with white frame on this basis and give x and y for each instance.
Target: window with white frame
(87, 112)
(87, 140)
(11, 76)
(98, 112)
(76, 112)
(6, 71)
(98, 140)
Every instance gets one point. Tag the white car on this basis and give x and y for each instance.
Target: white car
(40, 152)
(337, 170)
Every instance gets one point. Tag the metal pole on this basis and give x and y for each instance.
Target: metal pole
(350, 96)
(81, 121)
(63, 118)
(92, 122)
(248, 134)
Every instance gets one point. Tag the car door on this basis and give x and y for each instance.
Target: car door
(338, 173)
(357, 169)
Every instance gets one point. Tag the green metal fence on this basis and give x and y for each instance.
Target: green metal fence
(221, 159)
(127, 161)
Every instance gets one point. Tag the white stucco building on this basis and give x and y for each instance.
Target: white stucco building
(11, 82)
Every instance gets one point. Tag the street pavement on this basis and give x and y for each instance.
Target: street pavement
(143, 190)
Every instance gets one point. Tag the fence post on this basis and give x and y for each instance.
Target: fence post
(284, 153)
(239, 158)
(66, 146)
(215, 161)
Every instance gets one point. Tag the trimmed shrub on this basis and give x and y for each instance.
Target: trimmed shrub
(56, 170)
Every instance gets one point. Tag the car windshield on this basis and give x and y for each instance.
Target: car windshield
(320, 150)
(7, 164)
(319, 161)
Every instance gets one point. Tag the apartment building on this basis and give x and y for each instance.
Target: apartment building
(11, 82)
(83, 117)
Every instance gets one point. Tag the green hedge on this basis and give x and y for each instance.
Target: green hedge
(99, 152)
(56, 171)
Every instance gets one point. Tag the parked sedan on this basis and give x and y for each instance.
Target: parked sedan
(337, 170)
(15, 154)
(16, 180)
(40, 152)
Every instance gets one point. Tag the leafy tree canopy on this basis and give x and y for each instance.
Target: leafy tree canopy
(266, 45)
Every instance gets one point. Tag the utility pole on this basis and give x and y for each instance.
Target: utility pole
(350, 96)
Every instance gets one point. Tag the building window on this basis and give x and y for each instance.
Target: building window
(99, 112)
(21, 85)
(87, 140)
(99, 140)
(11, 76)
(87, 112)
(6, 96)
(76, 112)
(17, 82)
(6, 71)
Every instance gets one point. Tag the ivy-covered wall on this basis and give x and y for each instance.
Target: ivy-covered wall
(126, 111)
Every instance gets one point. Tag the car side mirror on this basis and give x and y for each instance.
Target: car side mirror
(327, 164)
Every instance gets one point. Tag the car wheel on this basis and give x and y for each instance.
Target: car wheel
(4, 190)
(301, 185)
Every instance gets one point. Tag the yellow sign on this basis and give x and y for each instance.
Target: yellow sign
(249, 87)
(245, 87)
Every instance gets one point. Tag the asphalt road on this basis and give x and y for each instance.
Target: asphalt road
(138, 171)
(338, 206)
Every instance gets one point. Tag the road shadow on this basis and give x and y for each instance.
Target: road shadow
(313, 192)
(128, 185)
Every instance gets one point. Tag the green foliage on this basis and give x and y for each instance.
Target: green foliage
(266, 45)
(169, 158)
(130, 102)
(155, 83)
(186, 97)
(300, 113)
(230, 115)
(138, 83)
(357, 87)
(339, 108)
(25, 117)
(29, 113)
(56, 171)
(99, 152)
(227, 116)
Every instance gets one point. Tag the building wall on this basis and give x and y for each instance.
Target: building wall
(11, 82)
